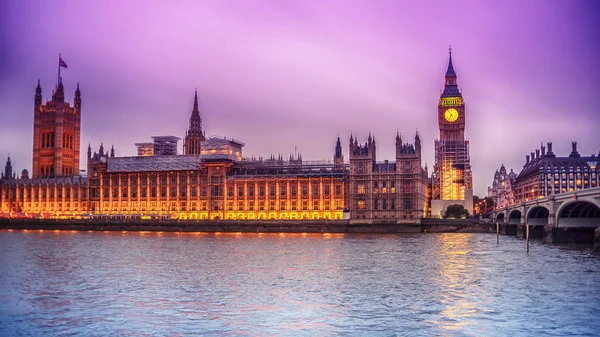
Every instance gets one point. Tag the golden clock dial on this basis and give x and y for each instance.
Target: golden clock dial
(451, 115)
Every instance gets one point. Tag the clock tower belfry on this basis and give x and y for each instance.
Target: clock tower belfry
(452, 177)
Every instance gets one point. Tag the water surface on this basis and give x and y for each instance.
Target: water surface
(170, 284)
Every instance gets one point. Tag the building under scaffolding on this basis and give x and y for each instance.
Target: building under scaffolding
(452, 175)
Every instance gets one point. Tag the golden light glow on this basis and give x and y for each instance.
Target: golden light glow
(451, 115)
(450, 189)
(451, 101)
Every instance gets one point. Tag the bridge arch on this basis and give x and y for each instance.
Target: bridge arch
(500, 217)
(537, 215)
(514, 217)
(584, 212)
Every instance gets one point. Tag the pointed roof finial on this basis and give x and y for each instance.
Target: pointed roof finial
(450, 71)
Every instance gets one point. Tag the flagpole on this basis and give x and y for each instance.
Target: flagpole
(58, 79)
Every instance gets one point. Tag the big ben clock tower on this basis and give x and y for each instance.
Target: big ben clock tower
(452, 178)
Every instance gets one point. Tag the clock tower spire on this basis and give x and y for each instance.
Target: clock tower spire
(452, 179)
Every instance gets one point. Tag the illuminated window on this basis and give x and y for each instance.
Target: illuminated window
(361, 188)
(360, 204)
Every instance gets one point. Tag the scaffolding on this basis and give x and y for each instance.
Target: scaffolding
(452, 171)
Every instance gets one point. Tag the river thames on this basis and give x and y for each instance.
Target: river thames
(170, 284)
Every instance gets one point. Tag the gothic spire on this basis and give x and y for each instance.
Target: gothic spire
(195, 111)
(450, 72)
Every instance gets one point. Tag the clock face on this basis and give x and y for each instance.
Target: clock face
(451, 115)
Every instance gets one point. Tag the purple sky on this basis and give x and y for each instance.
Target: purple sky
(279, 74)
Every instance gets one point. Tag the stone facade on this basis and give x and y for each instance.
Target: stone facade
(386, 191)
(56, 133)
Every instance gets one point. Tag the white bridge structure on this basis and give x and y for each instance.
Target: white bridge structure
(579, 208)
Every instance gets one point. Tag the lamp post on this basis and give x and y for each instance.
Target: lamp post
(484, 207)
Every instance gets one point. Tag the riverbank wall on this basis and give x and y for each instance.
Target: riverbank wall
(253, 226)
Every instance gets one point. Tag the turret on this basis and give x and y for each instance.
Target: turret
(77, 100)
(58, 95)
(8, 169)
(112, 151)
(338, 148)
(418, 144)
(38, 95)
(338, 158)
(398, 144)
(89, 151)
(101, 151)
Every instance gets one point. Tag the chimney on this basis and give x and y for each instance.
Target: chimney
(537, 153)
(532, 156)
(543, 150)
(527, 159)
(549, 147)
(574, 153)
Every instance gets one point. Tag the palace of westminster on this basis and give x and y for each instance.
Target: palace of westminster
(212, 180)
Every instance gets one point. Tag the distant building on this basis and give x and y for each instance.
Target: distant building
(145, 149)
(501, 190)
(386, 191)
(545, 174)
(56, 132)
(165, 145)
(452, 177)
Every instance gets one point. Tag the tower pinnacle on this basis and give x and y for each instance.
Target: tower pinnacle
(194, 135)
(450, 71)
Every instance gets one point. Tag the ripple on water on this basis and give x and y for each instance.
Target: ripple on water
(147, 284)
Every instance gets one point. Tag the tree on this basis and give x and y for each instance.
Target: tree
(456, 211)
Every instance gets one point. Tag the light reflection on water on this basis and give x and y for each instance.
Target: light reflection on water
(240, 284)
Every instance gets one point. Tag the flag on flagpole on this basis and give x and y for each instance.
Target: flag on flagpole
(62, 63)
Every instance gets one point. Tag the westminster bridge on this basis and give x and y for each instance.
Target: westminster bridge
(569, 217)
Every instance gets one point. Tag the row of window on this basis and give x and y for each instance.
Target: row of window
(383, 204)
(216, 206)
